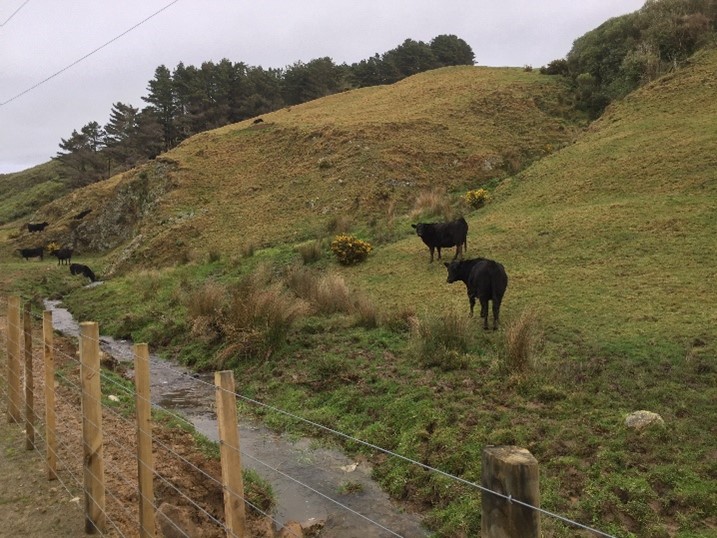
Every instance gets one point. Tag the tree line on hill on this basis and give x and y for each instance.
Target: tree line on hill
(191, 99)
(628, 51)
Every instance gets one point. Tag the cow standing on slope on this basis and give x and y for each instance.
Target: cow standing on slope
(485, 280)
(444, 234)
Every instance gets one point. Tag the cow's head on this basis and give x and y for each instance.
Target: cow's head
(420, 227)
(453, 271)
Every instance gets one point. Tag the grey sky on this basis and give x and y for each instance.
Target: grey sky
(45, 36)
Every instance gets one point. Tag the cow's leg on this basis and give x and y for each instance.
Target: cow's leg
(458, 251)
(496, 313)
(439, 252)
(431, 249)
(472, 301)
(484, 312)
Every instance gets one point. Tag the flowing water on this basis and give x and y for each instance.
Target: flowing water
(304, 477)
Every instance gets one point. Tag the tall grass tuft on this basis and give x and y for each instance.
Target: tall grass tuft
(443, 340)
(433, 203)
(311, 251)
(521, 337)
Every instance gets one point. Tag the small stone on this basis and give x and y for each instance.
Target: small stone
(641, 419)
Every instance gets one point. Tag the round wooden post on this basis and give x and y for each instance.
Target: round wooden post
(49, 361)
(94, 468)
(29, 380)
(145, 464)
(513, 472)
(14, 381)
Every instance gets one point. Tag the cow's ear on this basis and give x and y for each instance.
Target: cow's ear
(414, 225)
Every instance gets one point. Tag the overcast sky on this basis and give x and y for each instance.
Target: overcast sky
(38, 38)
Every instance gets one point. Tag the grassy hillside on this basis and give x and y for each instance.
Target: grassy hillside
(608, 241)
(359, 153)
(23, 192)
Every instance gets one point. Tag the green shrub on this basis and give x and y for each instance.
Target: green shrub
(350, 250)
(477, 198)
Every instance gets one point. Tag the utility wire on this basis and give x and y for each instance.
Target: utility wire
(14, 13)
(140, 23)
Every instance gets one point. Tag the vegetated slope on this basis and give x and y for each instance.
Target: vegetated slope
(355, 153)
(23, 192)
(611, 238)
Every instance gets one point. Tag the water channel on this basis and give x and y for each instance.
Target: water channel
(294, 467)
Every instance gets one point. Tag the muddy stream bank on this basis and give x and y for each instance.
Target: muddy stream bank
(295, 467)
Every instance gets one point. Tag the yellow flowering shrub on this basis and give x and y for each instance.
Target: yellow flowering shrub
(350, 250)
(477, 198)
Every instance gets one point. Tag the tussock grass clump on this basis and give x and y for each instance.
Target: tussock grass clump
(521, 337)
(443, 340)
(435, 203)
(246, 250)
(332, 294)
(248, 319)
(339, 224)
(311, 251)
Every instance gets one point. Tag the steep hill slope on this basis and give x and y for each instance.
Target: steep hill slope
(611, 238)
(355, 153)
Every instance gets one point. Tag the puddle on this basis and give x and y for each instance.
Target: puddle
(288, 463)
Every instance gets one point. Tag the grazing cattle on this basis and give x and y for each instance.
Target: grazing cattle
(33, 227)
(79, 269)
(82, 214)
(258, 120)
(485, 280)
(28, 253)
(444, 234)
(64, 255)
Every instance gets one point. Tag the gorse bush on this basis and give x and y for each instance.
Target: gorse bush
(349, 250)
(477, 198)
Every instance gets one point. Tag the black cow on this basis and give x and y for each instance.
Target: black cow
(79, 269)
(82, 214)
(33, 227)
(484, 279)
(28, 253)
(258, 120)
(444, 234)
(64, 255)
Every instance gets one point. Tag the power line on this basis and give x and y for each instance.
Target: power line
(14, 13)
(140, 23)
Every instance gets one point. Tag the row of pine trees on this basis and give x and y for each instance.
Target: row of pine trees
(189, 100)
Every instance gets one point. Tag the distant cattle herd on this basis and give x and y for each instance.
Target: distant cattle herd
(63, 254)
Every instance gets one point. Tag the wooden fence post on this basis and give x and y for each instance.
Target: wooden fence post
(94, 479)
(49, 361)
(29, 380)
(233, 483)
(13, 359)
(145, 464)
(512, 471)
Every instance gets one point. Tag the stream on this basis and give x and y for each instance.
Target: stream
(191, 396)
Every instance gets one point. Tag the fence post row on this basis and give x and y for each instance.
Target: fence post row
(510, 471)
(49, 362)
(232, 480)
(13, 359)
(145, 464)
(95, 519)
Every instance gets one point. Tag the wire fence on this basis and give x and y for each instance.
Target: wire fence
(124, 517)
